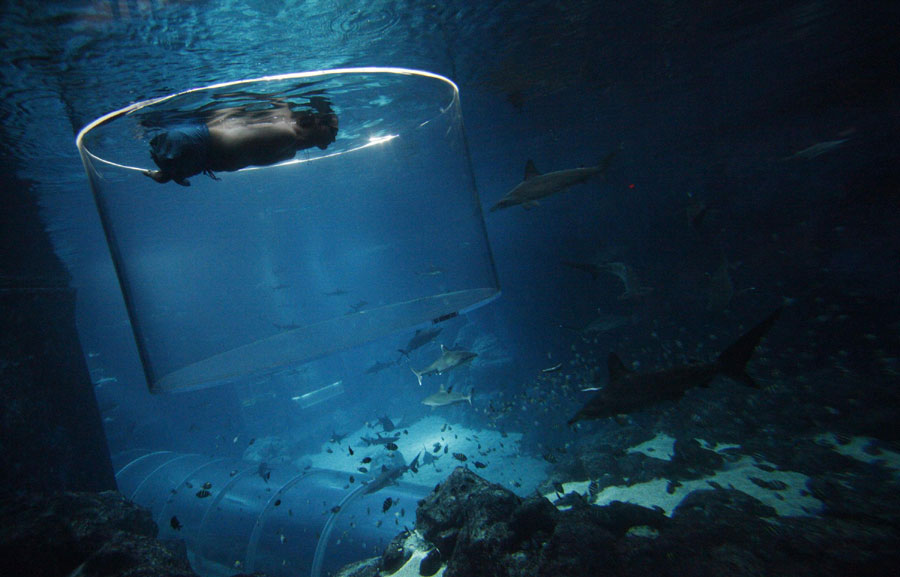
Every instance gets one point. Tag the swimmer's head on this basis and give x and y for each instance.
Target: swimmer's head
(326, 130)
(317, 129)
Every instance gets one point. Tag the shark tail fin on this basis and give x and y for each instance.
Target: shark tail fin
(733, 360)
(417, 374)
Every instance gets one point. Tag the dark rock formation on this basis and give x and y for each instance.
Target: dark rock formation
(480, 529)
(96, 534)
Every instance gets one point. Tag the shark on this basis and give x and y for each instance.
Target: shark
(379, 440)
(389, 475)
(448, 360)
(537, 185)
(378, 367)
(817, 149)
(420, 339)
(446, 396)
(629, 391)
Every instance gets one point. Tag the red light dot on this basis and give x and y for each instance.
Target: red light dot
(631, 185)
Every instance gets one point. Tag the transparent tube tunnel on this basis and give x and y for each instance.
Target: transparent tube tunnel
(237, 516)
(269, 267)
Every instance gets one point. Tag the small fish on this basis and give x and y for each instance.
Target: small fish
(203, 493)
(233, 473)
(446, 448)
(367, 460)
(403, 512)
(282, 538)
(352, 479)
(175, 523)
(329, 451)
(253, 440)
(277, 502)
(207, 485)
(362, 470)
(460, 457)
(391, 446)
(351, 450)
(479, 465)
(552, 369)
(436, 448)
(387, 505)
(188, 485)
(336, 509)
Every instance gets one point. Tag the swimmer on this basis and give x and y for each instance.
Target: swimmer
(234, 138)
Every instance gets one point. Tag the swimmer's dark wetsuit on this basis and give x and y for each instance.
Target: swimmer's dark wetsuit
(181, 151)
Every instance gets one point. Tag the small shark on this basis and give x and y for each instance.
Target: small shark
(378, 367)
(628, 391)
(389, 475)
(445, 397)
(448, 360)
(378, 440)
(537, 185)
(606, 323)
(817, 149)
(420, 339)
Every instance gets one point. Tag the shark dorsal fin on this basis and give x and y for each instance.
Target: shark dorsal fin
(617, 369)
(531, 170)
(443, 389)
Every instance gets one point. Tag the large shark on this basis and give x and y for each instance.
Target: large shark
(629, 391)
(537, 185)
(448, 360)
(445, 397)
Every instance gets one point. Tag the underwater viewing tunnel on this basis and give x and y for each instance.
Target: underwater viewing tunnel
(236, 516)
(251, 271)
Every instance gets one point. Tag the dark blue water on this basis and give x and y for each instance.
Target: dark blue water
(719, 204)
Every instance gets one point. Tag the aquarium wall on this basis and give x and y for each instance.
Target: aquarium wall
(268, 267)
(50, 433)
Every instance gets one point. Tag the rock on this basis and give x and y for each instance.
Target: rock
(94, 533)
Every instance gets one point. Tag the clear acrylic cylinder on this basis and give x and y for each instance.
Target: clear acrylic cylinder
(273, 266)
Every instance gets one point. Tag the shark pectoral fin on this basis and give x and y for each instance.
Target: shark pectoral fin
(617, 368)
(417, 374)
